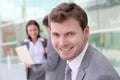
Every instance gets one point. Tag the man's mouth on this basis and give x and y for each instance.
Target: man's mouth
(65, 50)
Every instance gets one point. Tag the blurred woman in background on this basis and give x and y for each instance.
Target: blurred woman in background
(36, 46)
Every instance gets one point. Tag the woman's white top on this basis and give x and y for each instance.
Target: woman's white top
(36, 50)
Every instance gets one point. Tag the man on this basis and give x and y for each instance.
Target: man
(69, 35)
(54, 66)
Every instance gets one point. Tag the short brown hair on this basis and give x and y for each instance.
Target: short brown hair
(65, 11)
(45, 21)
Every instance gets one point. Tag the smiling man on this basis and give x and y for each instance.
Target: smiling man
(69, 35)
(68, 38)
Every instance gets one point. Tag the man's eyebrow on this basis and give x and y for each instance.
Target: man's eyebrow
(54, 33)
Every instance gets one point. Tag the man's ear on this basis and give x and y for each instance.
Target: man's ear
(49, 29)
(86, 31)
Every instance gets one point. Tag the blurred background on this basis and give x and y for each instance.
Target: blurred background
(104, 23)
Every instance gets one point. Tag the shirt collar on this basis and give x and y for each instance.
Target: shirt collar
(39, 40)
(75, 63)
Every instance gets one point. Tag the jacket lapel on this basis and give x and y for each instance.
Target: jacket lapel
(81, 74)
(85, 63)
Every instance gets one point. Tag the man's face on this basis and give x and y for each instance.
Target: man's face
(68, 39)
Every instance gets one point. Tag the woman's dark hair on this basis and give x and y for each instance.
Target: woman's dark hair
(32, 22)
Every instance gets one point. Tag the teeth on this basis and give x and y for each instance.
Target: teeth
(65, 49)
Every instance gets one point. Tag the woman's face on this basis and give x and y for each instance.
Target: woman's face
(33, 31)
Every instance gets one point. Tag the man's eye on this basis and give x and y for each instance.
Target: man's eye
(55, 35)
(70, 34)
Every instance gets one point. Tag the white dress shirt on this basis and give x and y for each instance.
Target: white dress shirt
(36, 50)
(75, 63)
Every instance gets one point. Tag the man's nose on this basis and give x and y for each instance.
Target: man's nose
(63, 41)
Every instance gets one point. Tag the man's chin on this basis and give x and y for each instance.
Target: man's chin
(64, 57)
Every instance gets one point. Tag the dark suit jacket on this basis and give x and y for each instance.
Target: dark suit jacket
(95, 66)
